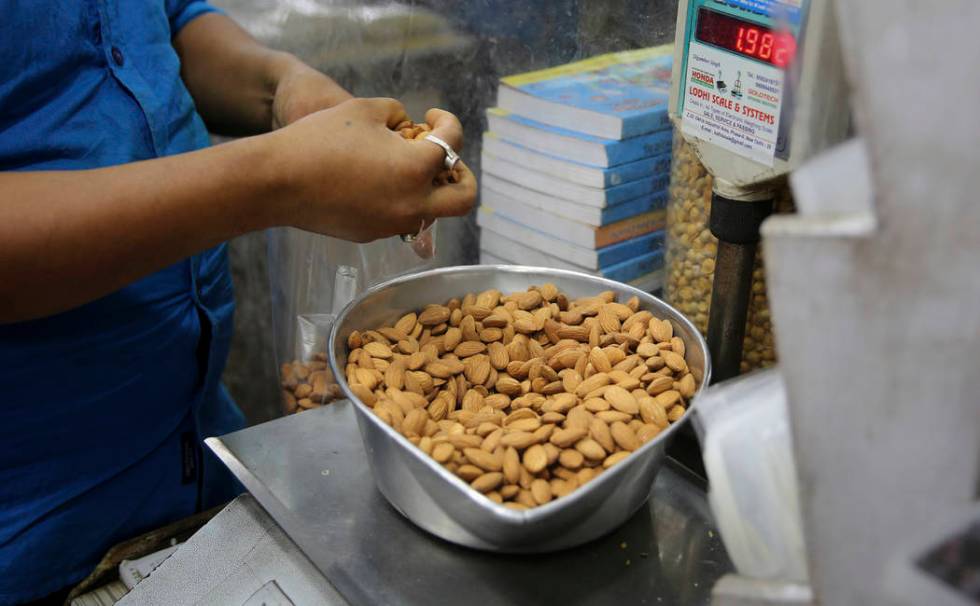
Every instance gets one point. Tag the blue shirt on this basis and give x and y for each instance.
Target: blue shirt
(103, 407)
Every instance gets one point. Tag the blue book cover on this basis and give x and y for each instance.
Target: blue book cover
(624, 173)
(576, 146)
(572, 171)
(634, 189)
(631, 208)
(635, 267)
(617, 96)
(616, 254)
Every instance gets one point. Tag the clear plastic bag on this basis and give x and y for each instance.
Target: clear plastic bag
(691, 250)
(312, 278)
(743, 425)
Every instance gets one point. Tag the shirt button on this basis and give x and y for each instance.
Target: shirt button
(117, 56)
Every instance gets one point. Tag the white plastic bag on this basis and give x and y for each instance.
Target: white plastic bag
(748, 455)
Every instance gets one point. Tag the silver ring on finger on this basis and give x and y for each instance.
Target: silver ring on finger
(409, 238)
(451, 156)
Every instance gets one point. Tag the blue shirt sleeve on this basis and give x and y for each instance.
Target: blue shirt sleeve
(181, 12)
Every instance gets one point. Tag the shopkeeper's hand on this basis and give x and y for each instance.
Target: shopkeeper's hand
(344, 172)
(302, 90)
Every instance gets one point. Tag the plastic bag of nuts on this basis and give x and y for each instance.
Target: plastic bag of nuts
(525, 396)
(307, 385)
(691, 250)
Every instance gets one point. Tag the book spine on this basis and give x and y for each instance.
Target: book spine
(634, 126)
(623, 251)
(630, 228)
(628, 150)
(634, 268)
(631, 171)
(614, 214)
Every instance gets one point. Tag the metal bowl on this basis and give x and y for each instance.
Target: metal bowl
(443, 504)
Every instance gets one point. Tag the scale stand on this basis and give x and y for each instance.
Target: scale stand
(735, 222)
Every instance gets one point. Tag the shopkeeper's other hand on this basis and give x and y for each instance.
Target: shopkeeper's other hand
(302, 90)
(344, 172)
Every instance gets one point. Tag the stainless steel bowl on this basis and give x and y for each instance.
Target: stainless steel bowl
(445, 505)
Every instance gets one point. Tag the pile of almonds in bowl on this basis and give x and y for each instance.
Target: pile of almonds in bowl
(525, 396)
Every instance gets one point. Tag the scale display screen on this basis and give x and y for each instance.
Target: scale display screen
(745, 38)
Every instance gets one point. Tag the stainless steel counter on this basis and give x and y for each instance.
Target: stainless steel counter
(310, 473)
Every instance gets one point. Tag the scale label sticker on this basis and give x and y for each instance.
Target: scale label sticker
(732, 101)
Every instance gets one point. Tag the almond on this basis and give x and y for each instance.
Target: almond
(492, 439)
(508, 386)
(488, 298)
(414, 422)
(647, 350)
(608, 320)
(621, 400)
(464, 440)
(483, 459)
(578, 333)
(395, 374)
(469, 472)
(571, 459)
(599, 360)
(438, 409)
(549, 292)
(541, 491)
(354, 340)
(590, 449)
(498, 355)
(488, 335)
(578, 417)
(518, 439)
(591, 383)
(392, 334)
(535, 458)
(479, 312)
(488, 481)
(687, 386)
(599, 431)
(660, 385)
(674, 361)
(596, 404)
(525, 424)
(564, 438)
(614, 458)
(661, 330)
(378, 350)
(511, 465)
(498, 401)
(624, 436)
(543, 433)
(443, 452)
(529, 300)
(477, 369)
(611, 416)
(674, 414)
(677, 346)
(668, 398)
(648, 432)
(363, 394)
(434, 315)
(451, 339)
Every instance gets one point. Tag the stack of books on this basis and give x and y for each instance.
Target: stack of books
(576, 167)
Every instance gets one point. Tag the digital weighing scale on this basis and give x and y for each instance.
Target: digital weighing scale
(758, 87)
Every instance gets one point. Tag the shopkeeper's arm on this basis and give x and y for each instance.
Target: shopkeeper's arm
(69, 237)
(241, 87)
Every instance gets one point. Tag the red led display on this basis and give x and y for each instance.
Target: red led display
(745, 38)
